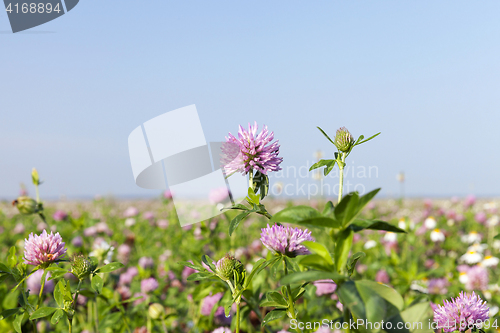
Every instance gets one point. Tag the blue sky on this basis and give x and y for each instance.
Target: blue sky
(426, 74)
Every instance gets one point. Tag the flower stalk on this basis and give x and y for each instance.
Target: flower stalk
(238, 317)
(289, 292)
(42, 285)
(341, 176)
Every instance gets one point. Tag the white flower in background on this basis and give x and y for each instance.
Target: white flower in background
(411, 224)
(390, 237)
(369, 244)
(490, 205)
(240, 252)
(493, 221)
(472, 257)
(430, 222)
(450, 222)
(419, 286)
(402, 224)
(494, 288)
(463, 278)
(477, 248)
(101, 249)
(437, 236)
(472, 237)
(496, 244)
(129, 222)
(493, 311)
(490, 261)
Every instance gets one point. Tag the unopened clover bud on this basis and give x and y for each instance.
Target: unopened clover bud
(26, 205)
(343, 140)
(81, 266)
(156, 311)
(225, 267)
(35, 177)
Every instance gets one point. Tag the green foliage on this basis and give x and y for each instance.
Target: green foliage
(110, 267)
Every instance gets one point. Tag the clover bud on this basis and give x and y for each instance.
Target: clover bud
(26, 205)
(82, 266)
(225, 267)
(343, 140)
(34, 177)
(156, 311)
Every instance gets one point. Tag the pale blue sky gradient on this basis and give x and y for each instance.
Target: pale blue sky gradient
(424, 73)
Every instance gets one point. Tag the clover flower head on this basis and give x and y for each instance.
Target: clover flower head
(208, 303)
(285, 240)
(324, 287)
(251, 151)
(461, 312)
(44, 248)
(477, 278)
(438, 286)
(60, 215)
(148, 285)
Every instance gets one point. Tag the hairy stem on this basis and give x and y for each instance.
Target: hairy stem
(238, 317)
(250, 179)
(37, 193)
(77, 292)
(41, 291)
(341, 177)
(289, 292)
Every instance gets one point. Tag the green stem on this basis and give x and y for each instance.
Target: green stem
(149, 325)
(341, 180)
(41, 291)
(28, 306)
(163, 325)
(70, 317)
(290, 296)
(231, 287)
(266, 214)
(96, 315)
(77, 292)
(37, 194)
(347, 318)
(250, 179)
(238, 317)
